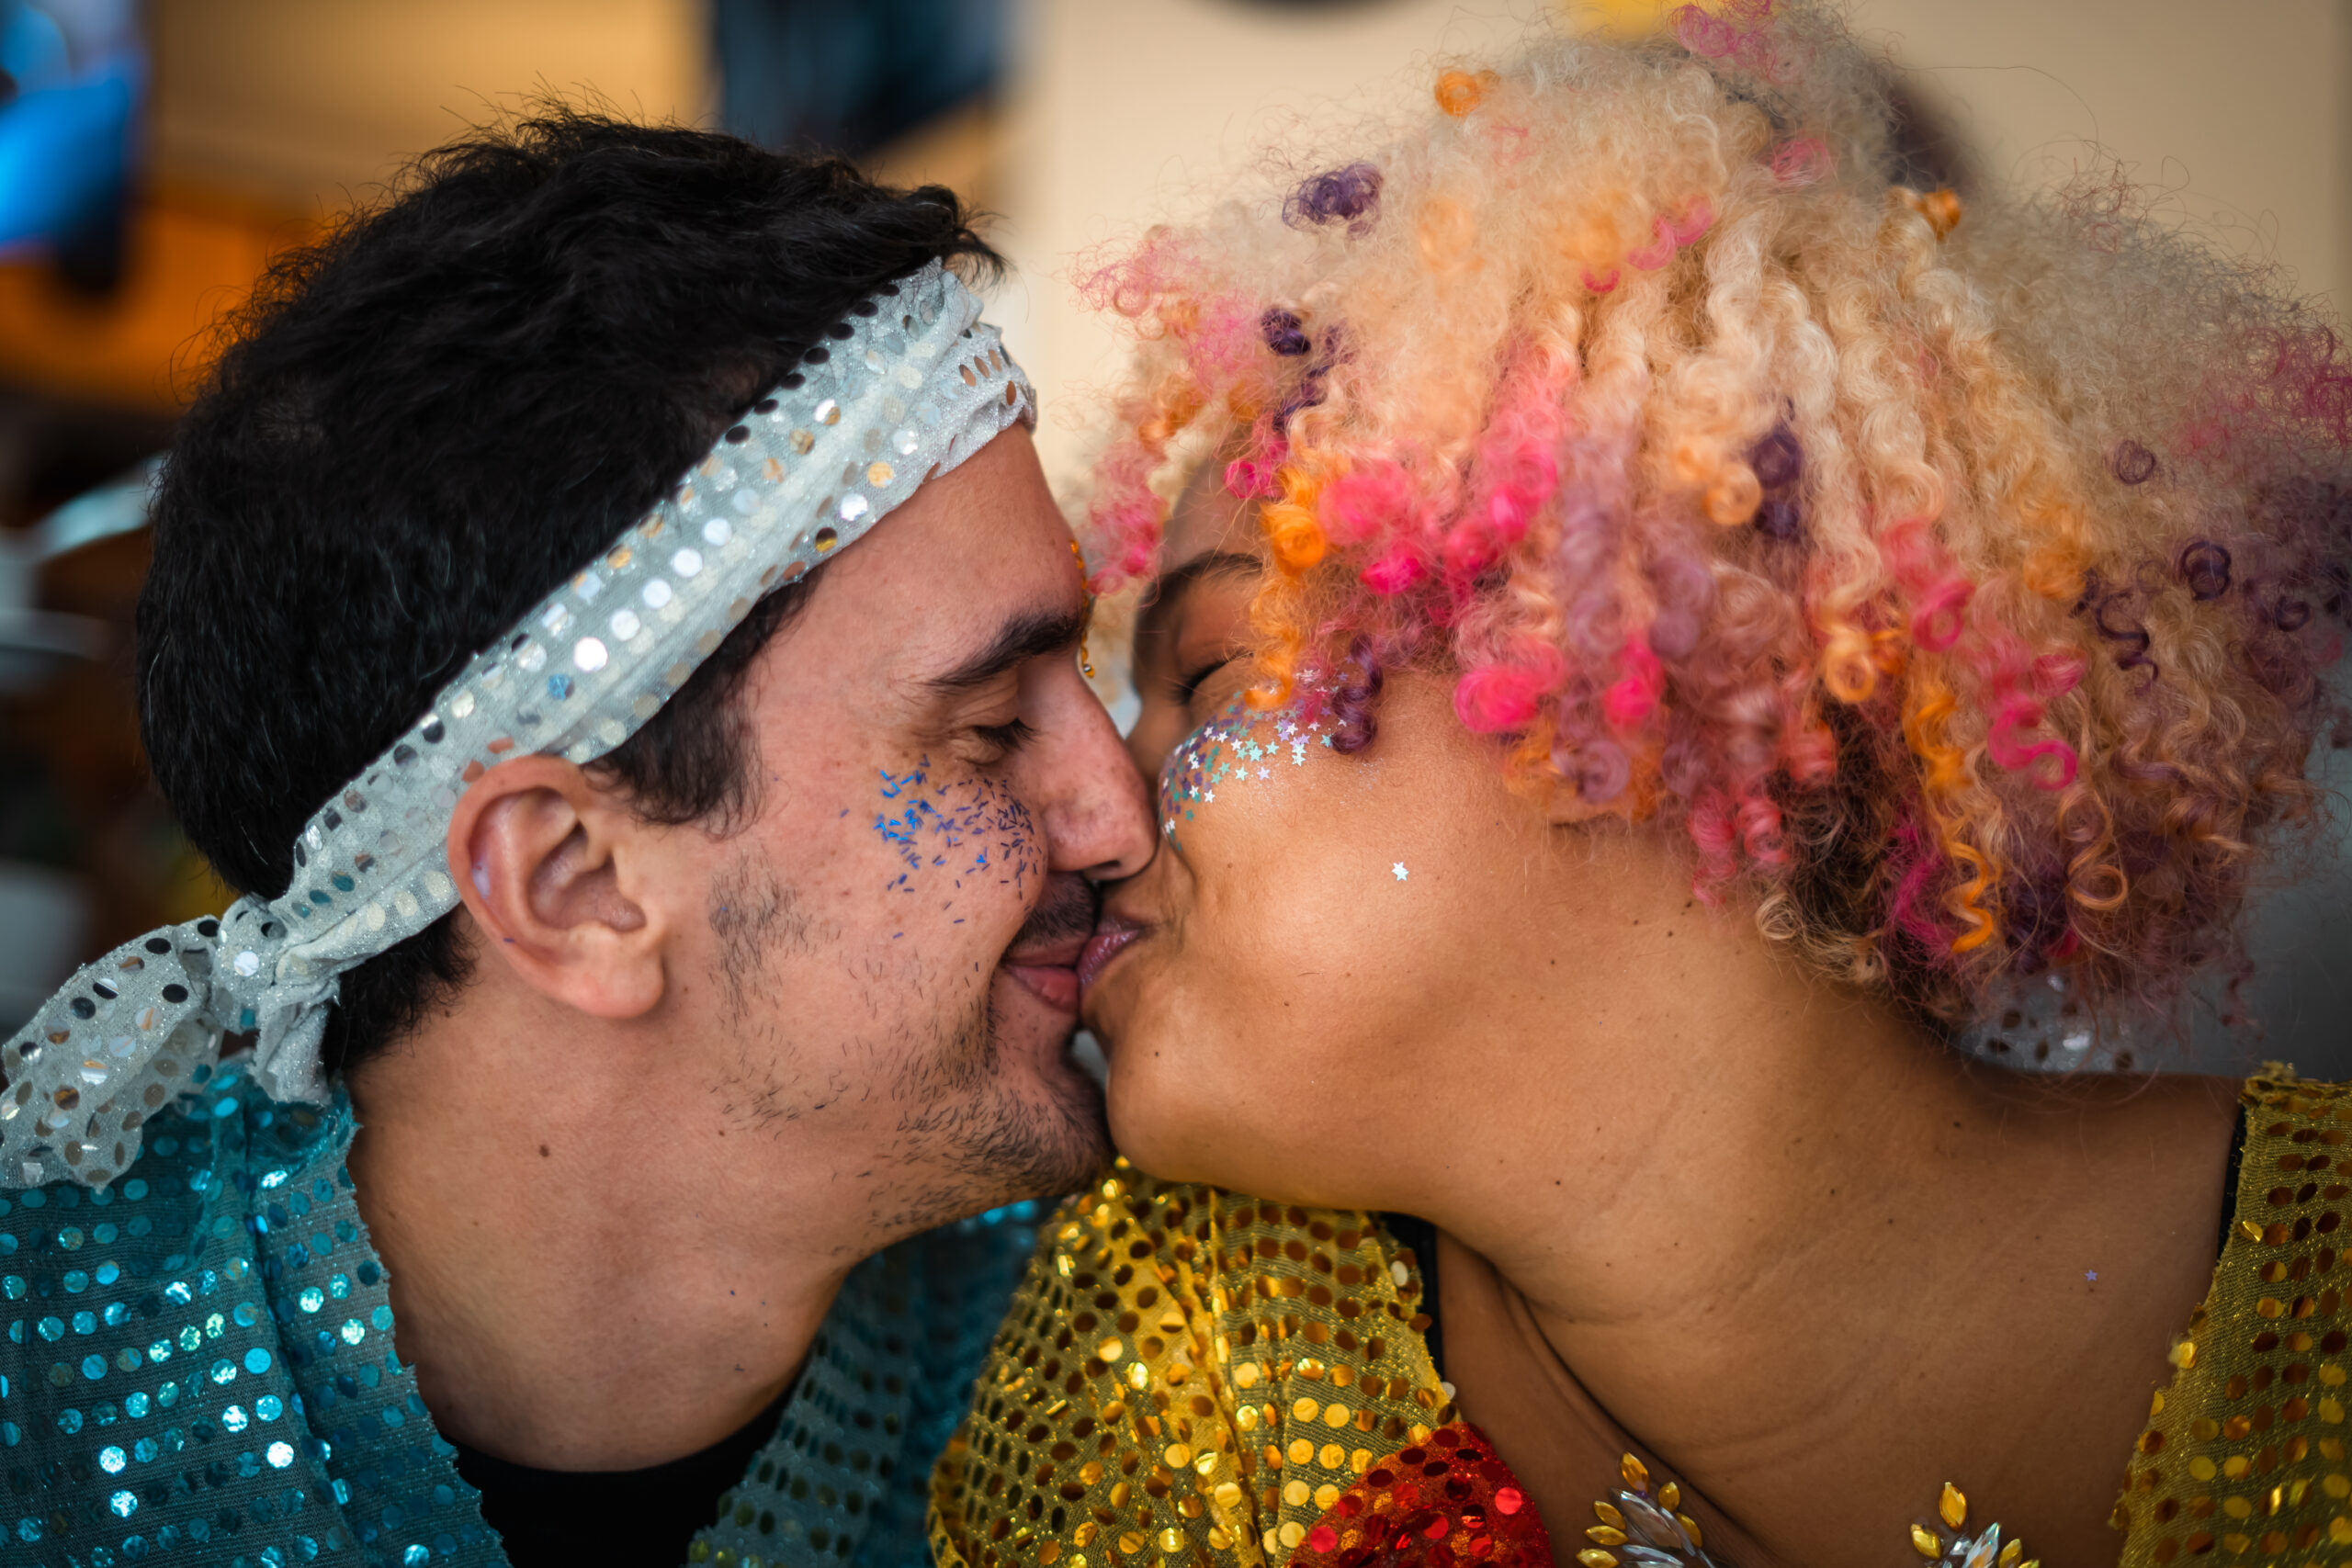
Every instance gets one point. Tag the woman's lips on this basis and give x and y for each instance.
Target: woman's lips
(1109, 938)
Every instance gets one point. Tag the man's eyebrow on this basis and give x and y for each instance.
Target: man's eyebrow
(1026, 635)
(1167, 592)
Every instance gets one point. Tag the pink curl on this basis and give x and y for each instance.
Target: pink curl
(1714, 833)
(1602, 284)
(1498, 697)
(1718, 37)
(1759, 831)
(2001, 743)
(1222, 337)
(1631, 697)
(1651, 257)
(1941, 613)
(1802, 161)
(1701, 33)
(1374, 498)
(2055, 674)
(1245, 479)
(1696, 219)
(1394, 572)
(1911, 889)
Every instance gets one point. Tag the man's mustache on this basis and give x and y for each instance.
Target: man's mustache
(1067, 910)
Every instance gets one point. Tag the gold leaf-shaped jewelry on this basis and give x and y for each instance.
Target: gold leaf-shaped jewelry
(1926, 1542)
(1952, 1507)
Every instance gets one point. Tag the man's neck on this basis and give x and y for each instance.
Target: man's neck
(573, 1298)
(1782, 1242)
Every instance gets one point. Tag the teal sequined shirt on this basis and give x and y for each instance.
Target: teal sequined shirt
(199, 1369)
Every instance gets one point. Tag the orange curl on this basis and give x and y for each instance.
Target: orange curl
(1940, 207)
(1459, 92)
(1964, 901)
(1176, 407)
(1733, 499)
(1932, 705)
(1846, 667)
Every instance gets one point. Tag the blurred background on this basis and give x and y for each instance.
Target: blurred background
(153, 155)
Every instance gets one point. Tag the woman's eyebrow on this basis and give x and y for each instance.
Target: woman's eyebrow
(1167, 592)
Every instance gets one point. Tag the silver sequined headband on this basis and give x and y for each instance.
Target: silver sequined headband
(909, 385)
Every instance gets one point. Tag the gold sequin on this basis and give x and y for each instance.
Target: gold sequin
(2235, 1460)
(1105, 1404)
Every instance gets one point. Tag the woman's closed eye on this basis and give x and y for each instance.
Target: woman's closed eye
(1188, 686)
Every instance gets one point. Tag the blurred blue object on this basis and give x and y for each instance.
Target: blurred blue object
(847, 78)
(72, 74)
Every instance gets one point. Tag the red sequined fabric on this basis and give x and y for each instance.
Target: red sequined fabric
(1446, 1502)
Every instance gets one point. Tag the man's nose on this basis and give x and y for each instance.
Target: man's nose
(1097, 811)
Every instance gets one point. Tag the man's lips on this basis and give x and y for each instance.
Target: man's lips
(1112, 936)
(1050, 971)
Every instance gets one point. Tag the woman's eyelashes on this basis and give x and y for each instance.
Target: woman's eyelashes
(1189, 687)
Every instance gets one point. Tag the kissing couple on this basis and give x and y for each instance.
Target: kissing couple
(1648, 622)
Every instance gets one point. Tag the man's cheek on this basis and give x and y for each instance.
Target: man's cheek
(959, 846)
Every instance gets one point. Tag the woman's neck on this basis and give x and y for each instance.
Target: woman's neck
(1801, 1251)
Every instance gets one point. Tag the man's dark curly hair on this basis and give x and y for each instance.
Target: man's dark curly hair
(424, 422)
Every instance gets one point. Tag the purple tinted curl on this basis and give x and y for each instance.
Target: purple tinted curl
(1286, 334)
(1353, 702)
(1349, 194)
(2109, 609)
(1310, 385)
(1309, 393)
(1779, 518)
(2132, 463)
(1599, 769)
(2205, 567)
(1776, 460)
(2291, 615)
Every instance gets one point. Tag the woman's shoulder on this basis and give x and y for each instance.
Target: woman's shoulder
(1185, 1368)
(2244, 1447)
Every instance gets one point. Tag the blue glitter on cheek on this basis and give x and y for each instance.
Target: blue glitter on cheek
(968, 829)
(1238, 749)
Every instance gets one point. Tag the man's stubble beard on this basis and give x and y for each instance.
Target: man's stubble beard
(967, 1137)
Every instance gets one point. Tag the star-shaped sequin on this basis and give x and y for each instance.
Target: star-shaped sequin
(1400, 871)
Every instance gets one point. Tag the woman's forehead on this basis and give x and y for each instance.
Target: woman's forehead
(1209, 519)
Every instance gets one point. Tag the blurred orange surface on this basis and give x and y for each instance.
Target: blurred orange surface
(144, 345)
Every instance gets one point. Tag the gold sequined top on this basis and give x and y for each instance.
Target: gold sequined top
(1192, 1377)
(2242, 1461)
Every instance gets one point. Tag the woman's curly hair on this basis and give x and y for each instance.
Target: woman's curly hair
(1961, 585)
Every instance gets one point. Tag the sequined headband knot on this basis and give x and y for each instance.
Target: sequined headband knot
(906, 387)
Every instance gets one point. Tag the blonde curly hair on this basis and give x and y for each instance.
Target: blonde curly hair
(1959, 585)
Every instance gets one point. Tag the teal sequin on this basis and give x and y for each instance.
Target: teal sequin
(198, 1368)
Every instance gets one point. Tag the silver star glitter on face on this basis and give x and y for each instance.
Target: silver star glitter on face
(1400, 871)
(1222, 751)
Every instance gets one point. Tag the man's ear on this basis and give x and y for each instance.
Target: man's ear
(534, 851)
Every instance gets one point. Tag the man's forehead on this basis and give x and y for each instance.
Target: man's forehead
(972, 551)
